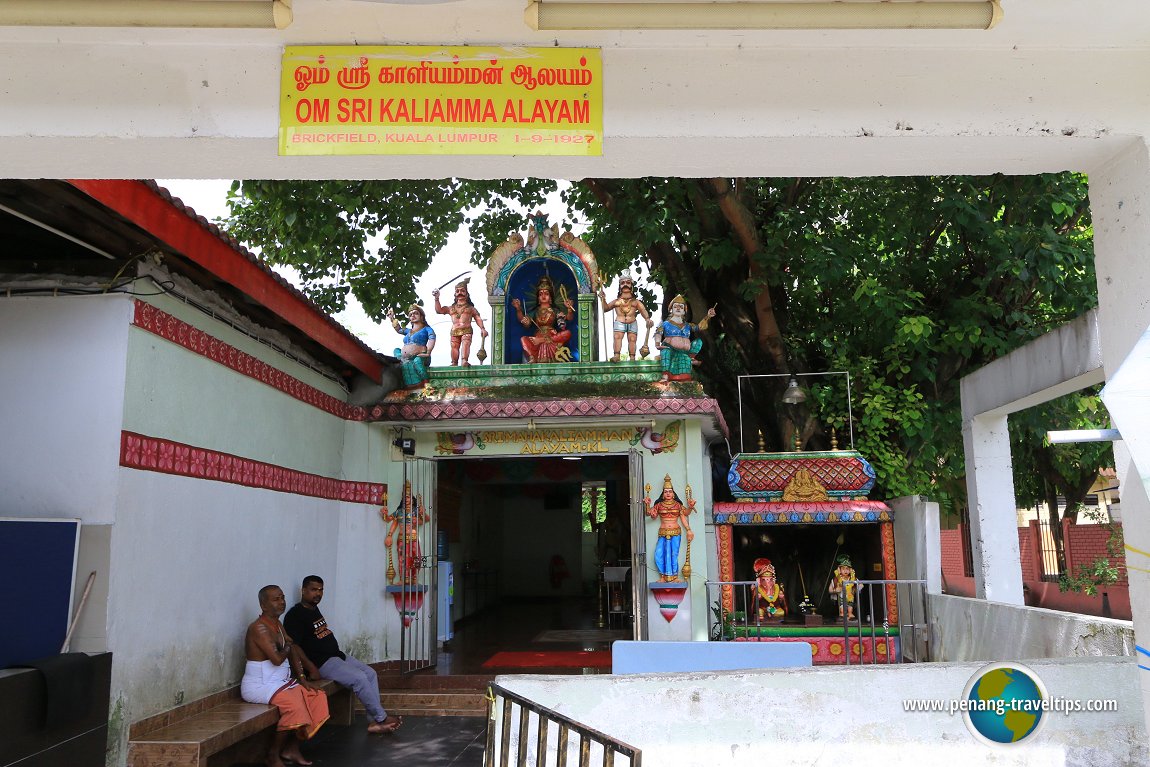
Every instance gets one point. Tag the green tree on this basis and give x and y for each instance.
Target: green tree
(909, 283)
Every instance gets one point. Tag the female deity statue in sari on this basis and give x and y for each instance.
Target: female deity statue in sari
(548, 344)
(678, 341)
(418, 342)
(672, 515)
(404, 530)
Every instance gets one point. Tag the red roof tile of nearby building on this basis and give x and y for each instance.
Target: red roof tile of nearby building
(151, 207)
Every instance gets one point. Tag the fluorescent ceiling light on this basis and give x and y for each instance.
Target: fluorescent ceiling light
(215, 14)
(873, 14)
(1083, 435)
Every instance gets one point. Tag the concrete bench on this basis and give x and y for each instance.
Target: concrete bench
(629, 657)
(219, 724)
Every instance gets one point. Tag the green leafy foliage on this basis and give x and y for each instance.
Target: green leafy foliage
(1103, 571)
(908, 283)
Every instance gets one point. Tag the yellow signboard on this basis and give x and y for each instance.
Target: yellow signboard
(356, 100)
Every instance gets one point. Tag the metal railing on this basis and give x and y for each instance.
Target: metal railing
(888, 624)
(511, 738)
(903, 606)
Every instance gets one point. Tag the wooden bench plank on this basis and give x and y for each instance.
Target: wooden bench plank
(188, 741)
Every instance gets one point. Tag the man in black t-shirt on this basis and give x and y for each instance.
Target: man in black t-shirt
(308, 628)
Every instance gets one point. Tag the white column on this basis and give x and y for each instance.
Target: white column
(1120, 209)
(918, 546)
(993, 522)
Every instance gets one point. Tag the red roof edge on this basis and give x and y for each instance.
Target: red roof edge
(148, 206)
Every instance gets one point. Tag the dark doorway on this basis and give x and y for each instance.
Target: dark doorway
(528, 539)
(806, 554)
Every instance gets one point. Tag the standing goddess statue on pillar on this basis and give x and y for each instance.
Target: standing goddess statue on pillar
(672, 515)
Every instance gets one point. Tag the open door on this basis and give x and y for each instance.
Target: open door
(638, 545)
(412, 569)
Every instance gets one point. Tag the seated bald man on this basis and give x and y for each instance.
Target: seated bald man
(306, 625)
(272, 661)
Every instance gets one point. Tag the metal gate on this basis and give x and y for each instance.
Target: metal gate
(638, 545)
(412, 569)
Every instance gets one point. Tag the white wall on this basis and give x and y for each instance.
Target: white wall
(965, 629)
(832, 716)
(61, 404)
(1044, 91)
(179, 560)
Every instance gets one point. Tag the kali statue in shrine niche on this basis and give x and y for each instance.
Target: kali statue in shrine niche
(678, 341)
(549, 342)
(768, 602)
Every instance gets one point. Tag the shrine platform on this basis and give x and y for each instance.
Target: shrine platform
(828, 644)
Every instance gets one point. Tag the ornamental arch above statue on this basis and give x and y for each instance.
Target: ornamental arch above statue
(516, 272)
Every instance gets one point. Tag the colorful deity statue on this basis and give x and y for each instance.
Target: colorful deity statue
(768, 602)
(548, 344)
(839, 585)
(418, 342)
(627, 310)
(462, 312)
(678, 341)
(404, 530)
(672, 515)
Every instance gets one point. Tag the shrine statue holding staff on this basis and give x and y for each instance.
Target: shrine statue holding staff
(678, 341)
(548, 344)
(768, 602)
(672, 516)
(840, 584)
(404, 529)
(462, 312)
(418, 342)
(627, 310)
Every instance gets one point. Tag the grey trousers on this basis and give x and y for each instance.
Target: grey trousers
(362, 680)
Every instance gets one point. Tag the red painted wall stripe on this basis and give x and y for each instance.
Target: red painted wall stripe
(148, 317)
(145, 207)
(139, 451)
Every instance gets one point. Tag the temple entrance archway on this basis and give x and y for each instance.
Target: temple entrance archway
(527, 540)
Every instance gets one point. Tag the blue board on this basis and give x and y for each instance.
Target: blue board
(629, 657)
(38, 568)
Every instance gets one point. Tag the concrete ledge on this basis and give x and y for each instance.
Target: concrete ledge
(967, 629)
(1060, 362)
(654, 657)
(831, 716)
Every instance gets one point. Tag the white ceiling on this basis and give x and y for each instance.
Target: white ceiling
(1057, 84)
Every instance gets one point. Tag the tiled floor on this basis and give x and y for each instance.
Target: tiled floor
(441, 741)
(432, 741)
(516, 626)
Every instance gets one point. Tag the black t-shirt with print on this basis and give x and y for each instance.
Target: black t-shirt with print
(308, 628)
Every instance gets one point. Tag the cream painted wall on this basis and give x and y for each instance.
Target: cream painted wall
(179, 560)
(62, 363)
